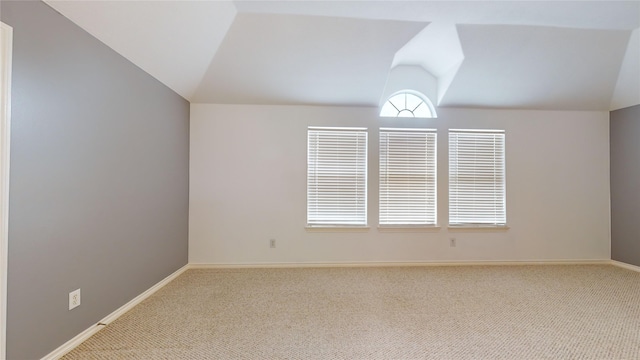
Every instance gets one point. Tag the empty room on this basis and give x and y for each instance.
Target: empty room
(319, 179)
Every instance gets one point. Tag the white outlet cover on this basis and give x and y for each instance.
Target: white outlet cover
(74, 299)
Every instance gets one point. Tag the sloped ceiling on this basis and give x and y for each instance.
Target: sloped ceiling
(538, 67)
(627, 91)
(274, 58)
(565, 55)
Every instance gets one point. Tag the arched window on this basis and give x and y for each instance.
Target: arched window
(407, 103)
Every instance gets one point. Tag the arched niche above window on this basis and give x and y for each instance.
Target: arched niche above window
(408, 103)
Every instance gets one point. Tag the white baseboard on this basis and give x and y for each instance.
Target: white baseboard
(71, 344)
(390, 264)
(625, 265)
(78, 339)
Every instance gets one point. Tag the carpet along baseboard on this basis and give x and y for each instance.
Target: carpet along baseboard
(78, 339)
(390, 264)
(625, 265)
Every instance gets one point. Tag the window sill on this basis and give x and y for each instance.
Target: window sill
(473, 228)
(407, 228)
(336, 228)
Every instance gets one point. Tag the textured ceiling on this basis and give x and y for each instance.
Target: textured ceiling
(565, 55)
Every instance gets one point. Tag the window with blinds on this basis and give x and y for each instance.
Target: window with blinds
(477, 178)
(337, 177)
(407, 177)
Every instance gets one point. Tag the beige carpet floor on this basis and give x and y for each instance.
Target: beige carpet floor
(466, 312)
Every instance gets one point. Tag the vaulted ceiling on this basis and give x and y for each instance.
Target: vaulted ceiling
(561, 55)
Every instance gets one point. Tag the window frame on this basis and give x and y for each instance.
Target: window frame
(402, 159)
(393, 106)
(480, 194)
(319, 213)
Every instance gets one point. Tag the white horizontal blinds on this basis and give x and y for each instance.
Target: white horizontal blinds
(407, 177)
(477, 177)
(337, 176)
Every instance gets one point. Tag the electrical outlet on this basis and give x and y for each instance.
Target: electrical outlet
(272, 243)
(452, 242)
(74, 299)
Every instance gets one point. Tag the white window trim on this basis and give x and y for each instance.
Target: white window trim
(341, 229)
(475, 228)
(316, 221)
(381, 173)
(425, 100)
(407, 228)
(478, 226)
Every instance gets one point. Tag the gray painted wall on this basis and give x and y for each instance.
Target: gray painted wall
(625, 185)
(99, 180)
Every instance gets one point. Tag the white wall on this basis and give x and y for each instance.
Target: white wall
(248, 184)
